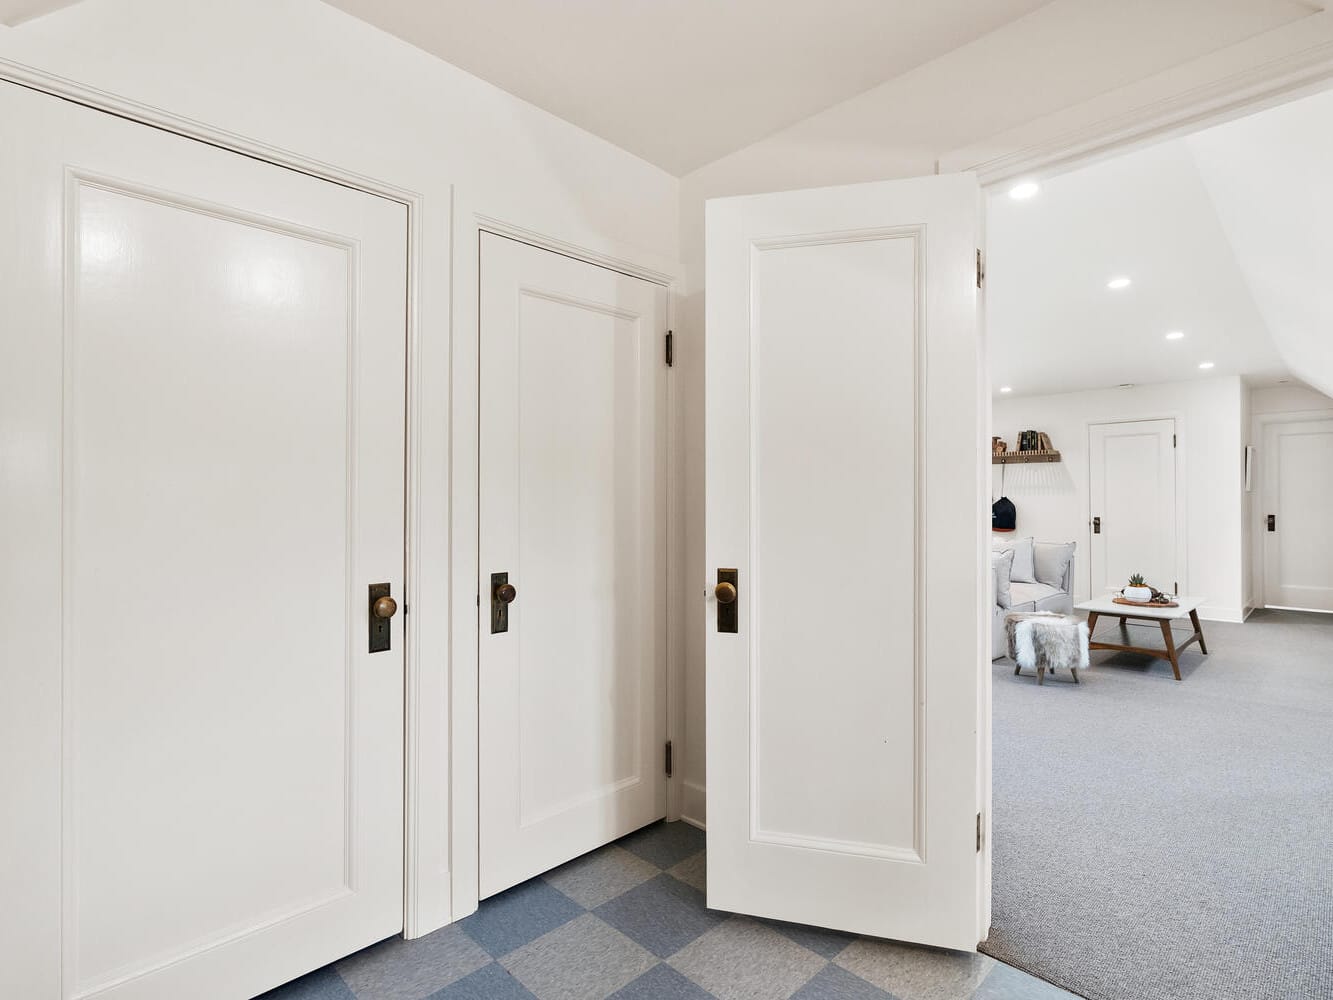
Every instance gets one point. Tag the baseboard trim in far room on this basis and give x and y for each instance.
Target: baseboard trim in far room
(1235, 616)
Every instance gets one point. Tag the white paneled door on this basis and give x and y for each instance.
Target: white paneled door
(572, 591)
(1298, 533)
(1132, 492)
(202, 401)
(846, 678)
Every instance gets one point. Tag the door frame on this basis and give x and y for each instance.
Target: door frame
(425, 896)
(471, 219)
(1259, 424)
(1179, 467)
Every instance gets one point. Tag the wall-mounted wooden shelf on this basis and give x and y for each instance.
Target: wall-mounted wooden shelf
(1024, 457)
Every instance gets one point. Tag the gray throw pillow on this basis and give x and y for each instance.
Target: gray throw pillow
(1000, 564)
(1050, 560)
(1024, 571)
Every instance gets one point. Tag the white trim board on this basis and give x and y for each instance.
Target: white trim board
(1269, 69)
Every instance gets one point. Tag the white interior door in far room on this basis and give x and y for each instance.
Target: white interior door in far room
(1298, 533)
(847, 761)
(1132, 495)
(572, 685)
(203, 403)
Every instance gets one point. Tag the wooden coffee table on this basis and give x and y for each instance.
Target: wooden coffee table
(1188, 608)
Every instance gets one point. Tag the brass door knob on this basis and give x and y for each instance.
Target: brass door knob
(385, 607)
(725, 593)
(506, 593)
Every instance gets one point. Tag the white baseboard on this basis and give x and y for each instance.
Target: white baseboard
(694, 809)
(1221, 614)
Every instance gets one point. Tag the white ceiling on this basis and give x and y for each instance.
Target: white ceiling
(684, 82)
(1148, 215)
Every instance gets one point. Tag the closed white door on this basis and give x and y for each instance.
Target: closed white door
(1132, 492)
(572, 682)
(202, 403)
(846, 675)
(1298, 533)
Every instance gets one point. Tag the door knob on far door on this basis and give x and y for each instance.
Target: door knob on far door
(726, 592)
(384, 607)
(506, 592)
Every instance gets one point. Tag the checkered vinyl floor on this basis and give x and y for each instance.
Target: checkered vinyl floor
(628, 921)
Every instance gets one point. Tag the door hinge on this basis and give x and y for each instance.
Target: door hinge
(1173, 440)
(978, 833)
(668, 758)
(670, 349)
(981, 271)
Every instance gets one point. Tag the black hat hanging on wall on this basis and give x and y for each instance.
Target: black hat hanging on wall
(1003, 513)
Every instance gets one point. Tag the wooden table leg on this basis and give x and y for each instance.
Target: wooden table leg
(1092, 623)
(1198, 630)
(1170, 646)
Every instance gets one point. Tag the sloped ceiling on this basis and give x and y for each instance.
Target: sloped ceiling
(683, 82)
(1054, 324)
(1270, 176)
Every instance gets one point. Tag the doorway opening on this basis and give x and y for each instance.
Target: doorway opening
(1152, 375)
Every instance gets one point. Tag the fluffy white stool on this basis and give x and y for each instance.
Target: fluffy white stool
(1044, 640)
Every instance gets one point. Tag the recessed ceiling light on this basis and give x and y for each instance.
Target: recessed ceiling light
(1175, 335)
(1127, 385)
(1006, 388)
(1283, 381)
(1024, 190)
(1205, 364)
(1115, 284)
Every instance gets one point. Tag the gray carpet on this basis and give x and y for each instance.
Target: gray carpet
(1157, 840)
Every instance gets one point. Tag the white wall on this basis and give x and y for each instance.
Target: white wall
(1052, 499)
(304, 77)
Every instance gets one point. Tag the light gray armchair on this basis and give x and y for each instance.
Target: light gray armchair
(1053, 571)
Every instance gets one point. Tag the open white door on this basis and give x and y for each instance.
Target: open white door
(847, 766)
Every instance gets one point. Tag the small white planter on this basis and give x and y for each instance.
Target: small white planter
(1140, 594)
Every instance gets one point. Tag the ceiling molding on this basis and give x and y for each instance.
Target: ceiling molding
(1280, 65)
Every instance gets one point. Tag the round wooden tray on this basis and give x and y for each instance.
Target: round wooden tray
(1142, 604)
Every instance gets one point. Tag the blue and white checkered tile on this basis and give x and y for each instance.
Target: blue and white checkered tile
(630, 922)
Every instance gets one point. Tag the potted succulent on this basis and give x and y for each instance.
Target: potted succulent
(1137, 590)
